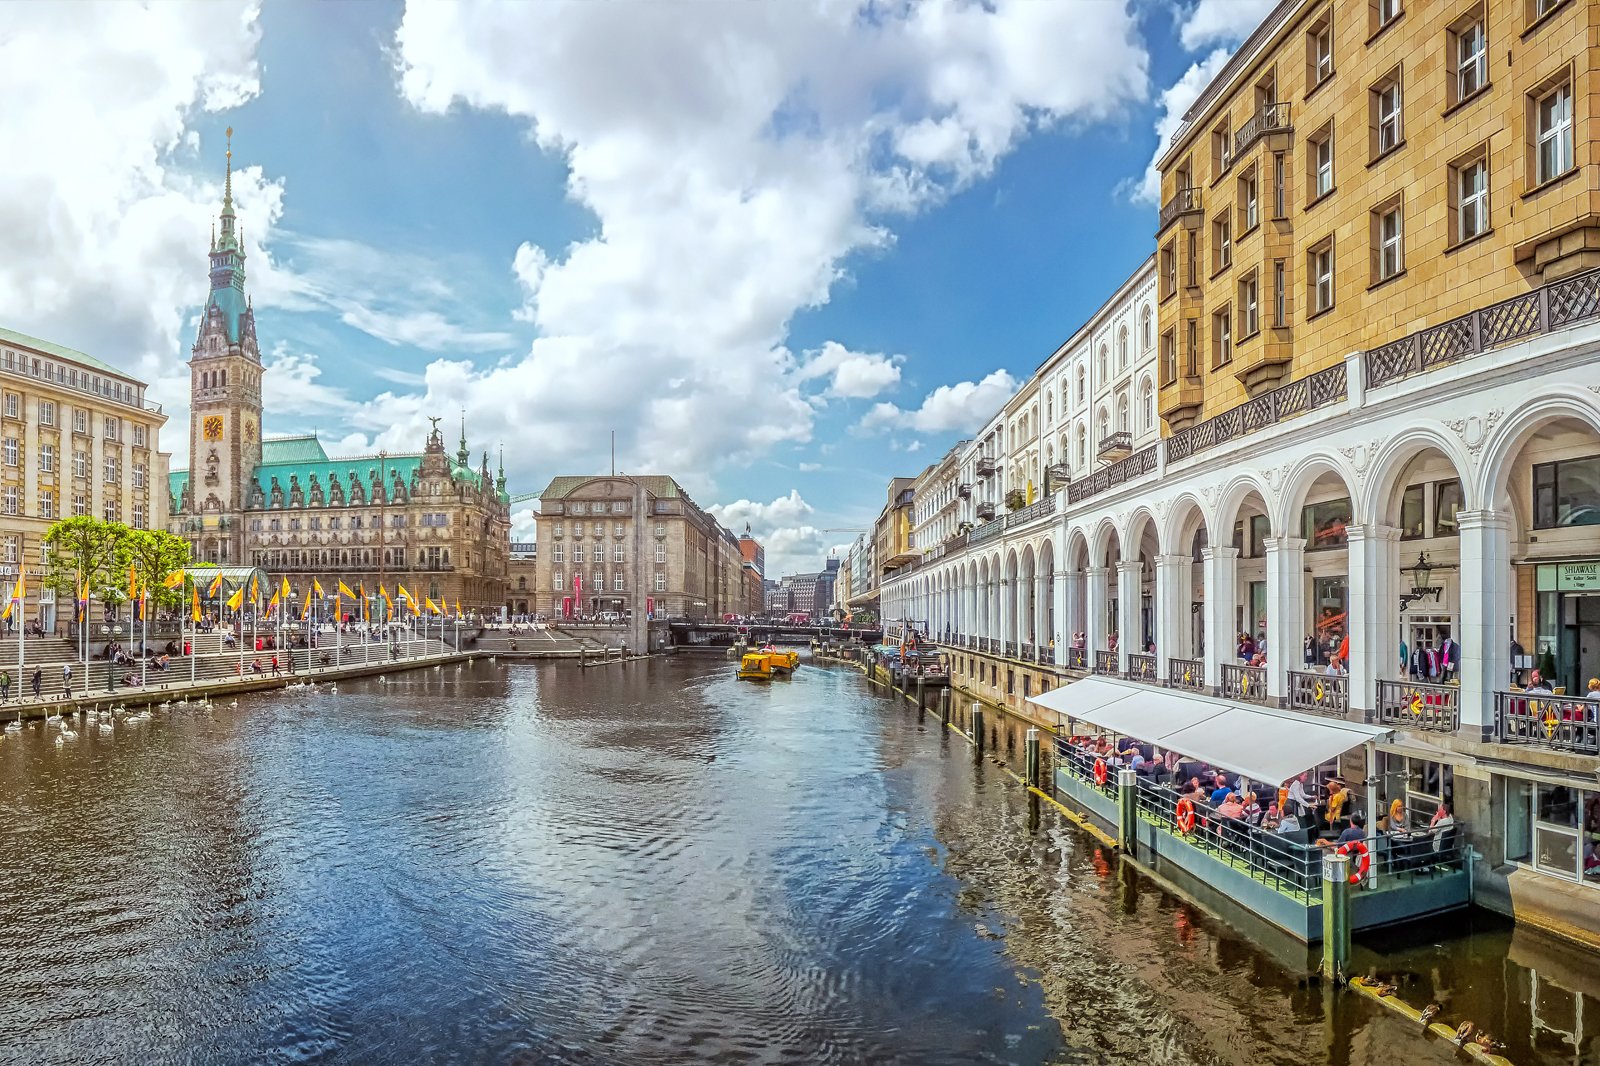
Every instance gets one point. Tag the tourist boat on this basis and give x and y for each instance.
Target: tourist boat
(781, 662)
(755, 666)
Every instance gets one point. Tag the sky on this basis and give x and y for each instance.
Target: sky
(784, 250)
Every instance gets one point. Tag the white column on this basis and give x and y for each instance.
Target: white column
(1098, 599)
(1221, 570)
(1042, 605)
(1286, 611)
(1077, 602)
(1172, 609)
(1129, 593)
(1183, 601)
(1061, 630)
(1487, 603)
(1007, 613)
(1374, 608)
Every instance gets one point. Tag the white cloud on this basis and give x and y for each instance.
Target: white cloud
(1175, 100)
(957, 408)
(105, 233)
(810, 468)
(852, 375)
(524, 520)
(1222, 21)
(290, 387)
(428, 330)
(733, 156)
(793, 545)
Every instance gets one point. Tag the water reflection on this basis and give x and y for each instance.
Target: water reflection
(635, 864)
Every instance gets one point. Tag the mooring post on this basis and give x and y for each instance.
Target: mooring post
(944, 706)
(922, 696)
(1335, 916)
(1030, 758)
(1127, 810)
(977, 729)
(583, 656)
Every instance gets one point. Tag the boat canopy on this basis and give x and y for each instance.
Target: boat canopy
(1260, 743)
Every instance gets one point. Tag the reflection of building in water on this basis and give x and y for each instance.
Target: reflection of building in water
(1374, 347)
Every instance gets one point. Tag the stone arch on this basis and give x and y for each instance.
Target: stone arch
(1185, 517)
(1504, 443)
(1386, 466)
(1078, 551)
(1301, 478)
(1106, 538)
(1232, 501)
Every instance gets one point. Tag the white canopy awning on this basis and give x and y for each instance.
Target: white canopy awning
(1262, 744)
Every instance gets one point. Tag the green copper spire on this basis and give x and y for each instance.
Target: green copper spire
(229, 240)
(500, 478)
(463, 457)
(227, 260)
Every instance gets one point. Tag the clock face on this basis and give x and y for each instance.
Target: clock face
(249, 430)
(213, 427)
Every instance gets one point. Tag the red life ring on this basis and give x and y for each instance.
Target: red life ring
(1356, 847)
(1184, 815)
(1099, 771)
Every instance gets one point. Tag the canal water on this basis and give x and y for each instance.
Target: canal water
(644, 863)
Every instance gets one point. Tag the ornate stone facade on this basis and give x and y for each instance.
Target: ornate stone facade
(425, 519)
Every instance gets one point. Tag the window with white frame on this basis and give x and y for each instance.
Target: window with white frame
(616, 553)
(1319, 276)
(13, 405)
(47, 503)
(1122, 349)
(661, 553)
(1554, 116)
(80, 464)
(1147, 406)
(80, 504)
(113, 471)
(1386, 104)
(1321, 157)
(113, 427)
(80, 420)
(47, 458)
(1249, 305)
(1389, 240)
(1319, 51)
(616, 581)
(12, 450)
(139, 438)
(47, 412)
(139, 475)
(140, 516)
(1222, 337)
(1469, 182)
(577, 554)
(1249, 201)
(1471, 58)
(556, 578)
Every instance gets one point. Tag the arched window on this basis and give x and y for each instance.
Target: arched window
(1049, 455)
(1147, 405)
(1146, 337)
(1122, 413)
(1122, 349)
(1083, 446)
(1105, 364)
(1105, 423)
(1049, 409)
(1080, 385)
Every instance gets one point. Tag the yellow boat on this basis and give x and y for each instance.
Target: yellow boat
(755, 666)
(781, 662)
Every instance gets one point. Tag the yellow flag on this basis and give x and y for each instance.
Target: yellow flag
(195, 613)
(305, 612)
(344, 590)
(133, 583)
(432, 607)
(400, 590)
(237, 599)
(458, 608)
(338, 609)
(316, 587)
(283, 592)
(255, 589)
(16, 598)
(383, 593)
(216, 586)
(173, 580)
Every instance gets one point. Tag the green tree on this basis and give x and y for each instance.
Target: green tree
(155, 553)
(82, 548)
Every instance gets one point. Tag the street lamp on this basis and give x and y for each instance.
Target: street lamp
(1421, 573)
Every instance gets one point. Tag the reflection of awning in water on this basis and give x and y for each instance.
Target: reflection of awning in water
(1556, 960)
(1262, 744)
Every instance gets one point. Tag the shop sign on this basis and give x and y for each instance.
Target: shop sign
(1578, 577)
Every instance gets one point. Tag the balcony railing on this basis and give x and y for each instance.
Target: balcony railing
(1545, 309)
(1557, 722)
(1140, 462)
(1271, 118)
(1077, 658)
(1268, 409)
(1029, 653)
(1037, 509)
(1010, 649)
(1248, 683)
(1319, 693)
(986, 512)
(992, 528)
(964, 490)
(1105, 662)
(1183, 202)
(1187, 674)
(1116, 444)
(1436, 708)
(986, 465)
(1142, 667)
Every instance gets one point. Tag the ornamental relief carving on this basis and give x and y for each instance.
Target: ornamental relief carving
(1474, 429)
(1360, 456)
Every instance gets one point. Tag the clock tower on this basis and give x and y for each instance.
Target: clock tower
(224, 401)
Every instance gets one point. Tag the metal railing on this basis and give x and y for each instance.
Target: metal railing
(1140, 462)
(1270, 118)
(1037, 509)
(1547, 308)
(1079, 763)
(1077, 658)
(1248, 683)
(992, 528)
(1028, 652)
(1183, 202)
(1413, 705)
(1010, 650)
(1105, 662)
(1121, 441)
(1319, 693)
(1142, 667)
(1268, 409)
(986, 465)
(1186, 674)
(1560, 723)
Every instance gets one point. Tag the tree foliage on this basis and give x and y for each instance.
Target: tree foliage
(84, 548)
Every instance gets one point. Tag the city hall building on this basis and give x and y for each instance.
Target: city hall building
(428, 519)
(1371, 415)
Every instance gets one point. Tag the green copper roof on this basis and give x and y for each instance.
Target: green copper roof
(176, 480)
(10, 336)
(232, 303)
(303, 449)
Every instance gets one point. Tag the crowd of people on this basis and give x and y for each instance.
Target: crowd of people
(1241, 814)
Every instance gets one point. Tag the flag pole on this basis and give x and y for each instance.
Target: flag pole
(144, 636)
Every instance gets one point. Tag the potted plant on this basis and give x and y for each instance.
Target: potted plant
(1015, 500)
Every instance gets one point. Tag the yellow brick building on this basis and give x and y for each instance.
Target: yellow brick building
(1363, 169)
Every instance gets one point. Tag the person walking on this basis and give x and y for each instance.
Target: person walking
(5, 685)
(66, 679)
(274, 666)
(37, 679)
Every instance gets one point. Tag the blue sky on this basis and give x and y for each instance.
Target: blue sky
(727, 231)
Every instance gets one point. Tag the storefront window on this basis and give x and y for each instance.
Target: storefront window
(1331, 605)
(1567, 493)
(1412, 523)
(1556, 849)
(1325, 523)
(1446, 502)
(1255, 620)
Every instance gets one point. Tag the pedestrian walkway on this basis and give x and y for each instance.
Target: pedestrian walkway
(212, 674)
